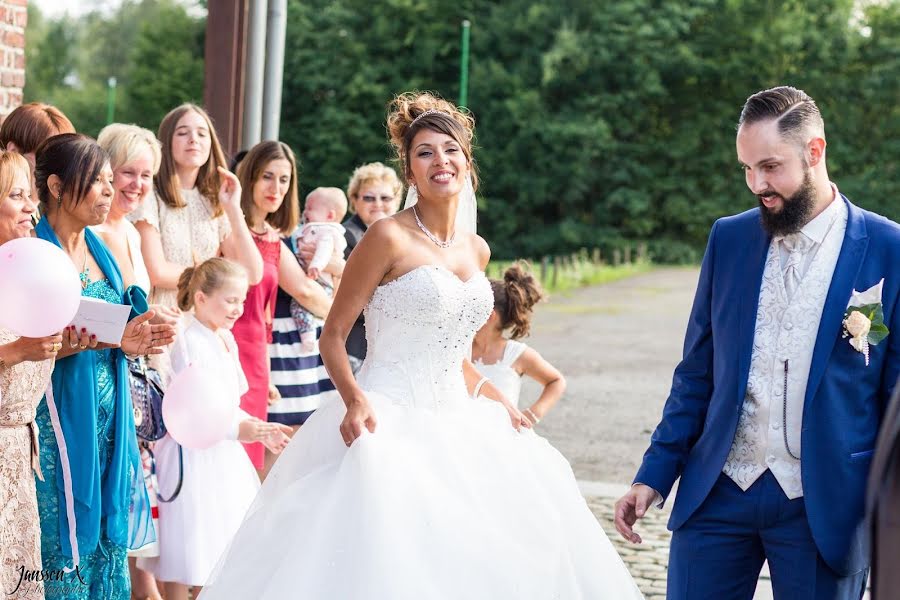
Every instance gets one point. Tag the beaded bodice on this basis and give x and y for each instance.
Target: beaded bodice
(419, 329)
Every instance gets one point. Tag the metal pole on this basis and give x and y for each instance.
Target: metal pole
(464, 65)
(110, 100)
(275, 34)
(256, 55)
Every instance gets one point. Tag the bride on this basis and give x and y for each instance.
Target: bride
(424, 483)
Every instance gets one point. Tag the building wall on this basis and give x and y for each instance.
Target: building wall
(13, 18)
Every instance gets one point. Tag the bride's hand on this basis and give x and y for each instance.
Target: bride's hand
(359, 416)
(517, 418)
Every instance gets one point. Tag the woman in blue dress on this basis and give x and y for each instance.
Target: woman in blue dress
(92, 502)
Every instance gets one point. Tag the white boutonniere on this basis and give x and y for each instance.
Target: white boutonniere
(864, 320)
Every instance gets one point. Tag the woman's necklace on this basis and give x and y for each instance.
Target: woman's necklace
(85, 272)
(440, 243)
(260, 234)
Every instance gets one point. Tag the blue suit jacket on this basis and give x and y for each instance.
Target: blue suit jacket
(844, 399)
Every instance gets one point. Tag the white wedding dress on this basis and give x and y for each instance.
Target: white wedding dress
(445, 501)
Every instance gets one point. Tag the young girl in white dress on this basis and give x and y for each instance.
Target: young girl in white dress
(218, 483)
(504, 360)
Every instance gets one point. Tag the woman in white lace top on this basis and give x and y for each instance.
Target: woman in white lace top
(185, 222)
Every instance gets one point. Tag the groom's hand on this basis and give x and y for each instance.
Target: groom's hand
(632, 507)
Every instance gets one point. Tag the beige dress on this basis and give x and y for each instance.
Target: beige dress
(189, 234)
(22, 386)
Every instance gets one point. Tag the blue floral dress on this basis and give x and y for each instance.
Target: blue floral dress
(104, 572)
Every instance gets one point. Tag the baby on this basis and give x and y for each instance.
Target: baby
(325, 209)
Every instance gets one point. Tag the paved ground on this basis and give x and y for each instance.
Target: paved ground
(617, 345)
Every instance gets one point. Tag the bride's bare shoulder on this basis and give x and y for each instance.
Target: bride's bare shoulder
(387, 230)
(481, 249)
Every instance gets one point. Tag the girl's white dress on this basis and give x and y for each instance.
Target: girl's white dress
(219, 482)
(444, 501)
(502, 374)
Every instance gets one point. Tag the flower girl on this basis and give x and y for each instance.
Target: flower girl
(217, 484)
(504, 360)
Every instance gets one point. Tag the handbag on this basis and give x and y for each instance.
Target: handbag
(146, 400)
(155, 482)
(144, 382)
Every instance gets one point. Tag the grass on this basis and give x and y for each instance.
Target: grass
(576, 273)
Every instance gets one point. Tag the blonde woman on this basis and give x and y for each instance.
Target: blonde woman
(134, 155)
(25, 366)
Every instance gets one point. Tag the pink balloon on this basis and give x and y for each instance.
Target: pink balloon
(195, 408)
(39, 288)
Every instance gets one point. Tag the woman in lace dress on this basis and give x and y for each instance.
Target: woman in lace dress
(92, 502)
(268, 176)
(411, 489)
(24, 373)
(186, 221)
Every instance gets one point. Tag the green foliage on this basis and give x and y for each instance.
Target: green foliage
(166, 65)
(153, 48)
(576, 273)
(599, 121)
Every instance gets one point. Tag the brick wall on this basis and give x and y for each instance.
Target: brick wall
(13, 18)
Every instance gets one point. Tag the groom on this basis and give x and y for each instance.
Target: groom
(775, 406)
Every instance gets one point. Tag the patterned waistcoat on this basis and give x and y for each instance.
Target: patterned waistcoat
(783, 343)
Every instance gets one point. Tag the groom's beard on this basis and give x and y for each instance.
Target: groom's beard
(795, 210)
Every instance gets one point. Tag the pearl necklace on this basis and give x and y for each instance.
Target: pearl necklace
(438, 242)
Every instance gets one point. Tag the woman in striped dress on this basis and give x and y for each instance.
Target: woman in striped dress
(300, 376)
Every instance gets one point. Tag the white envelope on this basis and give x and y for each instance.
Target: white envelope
(105, 320)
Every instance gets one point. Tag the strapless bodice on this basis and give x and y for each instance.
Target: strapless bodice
(419, 328)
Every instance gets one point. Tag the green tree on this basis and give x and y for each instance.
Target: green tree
(49, 55)
(154, 49)
(166, 63)
(598, 122)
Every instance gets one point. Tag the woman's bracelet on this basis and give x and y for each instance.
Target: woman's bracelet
(478, 386)
(532, 416)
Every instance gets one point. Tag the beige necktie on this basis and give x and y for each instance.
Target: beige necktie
(797, 246)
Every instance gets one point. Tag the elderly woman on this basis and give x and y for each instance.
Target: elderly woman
(374, 192)
(24, 373)
(92, 503)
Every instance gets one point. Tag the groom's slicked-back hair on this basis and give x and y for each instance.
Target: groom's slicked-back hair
(796, 112)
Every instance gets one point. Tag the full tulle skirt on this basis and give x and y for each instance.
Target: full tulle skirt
(437, 504)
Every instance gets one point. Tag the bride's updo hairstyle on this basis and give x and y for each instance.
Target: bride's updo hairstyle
(514, 299)
(411, 112)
